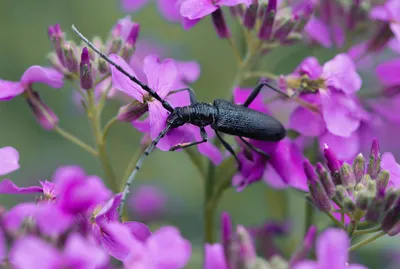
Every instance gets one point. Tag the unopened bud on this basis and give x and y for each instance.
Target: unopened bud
(268, 21)
(85, 70)
(326, 180)
(250, 16)
(347, 175)
(359, 167)
(317, 191)
(341, 193)
(71, 62)
(363, 200)
(133, 34)
(247, 250)
(115, 46)
(302, 252)
(391, 196)
(348, 204)
(382, 179)
(132, 111)
(43, 113)
(370, 183)
(103, 66)
(226, 234)
(391, 217)
(127, 52)
(56, 37)
(283, 31)
(394, 230)
(333, 165)
(374, 162)
(220, 24)
(375, 210)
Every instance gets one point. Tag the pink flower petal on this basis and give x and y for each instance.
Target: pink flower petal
(387, 72)
(233, 2)
(51, 220)
(133, 5)
(394, 44)
(214, 257)
(109, 211)
(158, 116)
(272, 178)
(9, 158)
(3, 246)
(340, 73)
(14, 218)
(311, 67)
(8, 187)
(319, 32)
(160, 75)
(389, 163)
(307, 122)
(188, 23)
(345, 148)
(197, 9)
(122, 82)
(379, 13)
(170, 10)
(212, 152)
(34, 253)
(337, 111)
(332, 249)
(10, 89)
(46, 75)
(139, 231)
(188, 71)
(306, 265)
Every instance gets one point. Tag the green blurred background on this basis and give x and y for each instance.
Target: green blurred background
(24, 42)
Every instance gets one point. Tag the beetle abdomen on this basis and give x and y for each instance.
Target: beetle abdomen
(242, 121)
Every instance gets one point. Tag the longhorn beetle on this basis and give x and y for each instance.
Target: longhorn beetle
(222, 115)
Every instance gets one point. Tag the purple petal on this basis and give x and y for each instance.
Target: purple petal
(170, 10)
(197, 9)
(34, 253)
(340, 73)
(319, 32)
(338, 35)
(133, 5)
(46, 75)
(214, 257)
(139, 230)
(169, 249)
(306, 265)
(9, 158)
(240, 95)
(394, 44)
(51, 220)
(10, 89)
(14, 218)
(272, 178)
(331, 249)
(79, 253)
(116, 239)
(337, 111)
(387, 72)
(212, 152)
(345, 148)
(148, 201)
(188, 71)
(140, 258)
(389, 163)
(307, 122)
(3, 246)
(48, 189)
(356, 266)
(160, 75)
(158, 116)
(122, 82)
(379, 13)
(311, 67)
(109, 211)
(234, 2)
(188, 23)
(8, 187)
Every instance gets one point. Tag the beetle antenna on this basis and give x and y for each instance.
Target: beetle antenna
(138, 165)
(276, 90)
(154, 94)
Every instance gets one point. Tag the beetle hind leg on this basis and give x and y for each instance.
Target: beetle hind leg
(252, 147)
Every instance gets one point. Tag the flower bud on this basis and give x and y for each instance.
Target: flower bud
(348, 204)
(250, 16)
(302, 252)
(132, 111)
(226, 234)
(133, 34)
(391, 217)
(85, 71)
(268, 21)
(333, 165)
(247, 251)
(43, 113)
(115, 46)
(220, 24)
(71, 62)
(317, 191)
(282, 32)
(363, 200)
(382, 179)
(341, 193)
(56, 37)
(394, 230)
(375, 210)
(391, 196)
(347, 175)
(359, 167)
(304, 17)
(326, 180)
(103, 66)
(374, 162)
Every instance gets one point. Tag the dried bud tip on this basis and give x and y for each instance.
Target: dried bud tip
(132, 111)
(85, 71)
(326, 180)
(220, 24)
(43, 113)
(71, 60)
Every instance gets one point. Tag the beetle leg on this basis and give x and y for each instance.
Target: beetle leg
(229, 148)
(257, 90)
(192, 95)
(203, 134)
(259, 151)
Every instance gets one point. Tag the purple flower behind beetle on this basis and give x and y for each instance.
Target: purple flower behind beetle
(148, 202)
(8, 160)
(389, 13)
(168, 8)
(332, 252)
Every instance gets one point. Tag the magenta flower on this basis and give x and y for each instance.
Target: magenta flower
(197, 9)
(34, 253)
(387, 72)
(325, 34)
(332, 252)
(47, 188)
(389, 163)
(148, 202)
(168, 8)
(390, 13)
(214, 257)
(9, 158)
(34, 74)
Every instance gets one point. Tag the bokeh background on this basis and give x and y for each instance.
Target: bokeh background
(24, 42)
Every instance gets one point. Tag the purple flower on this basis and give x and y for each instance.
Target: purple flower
(214, 257)
(34, 253)
(9, 158)
(197, 9)
(34, 74)
(325, 34)
(332, 252)
(388, 162)
(390, 13)
(387, 73)
(148, 202)
(168, 8)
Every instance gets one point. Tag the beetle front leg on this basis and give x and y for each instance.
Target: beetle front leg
(203, 134)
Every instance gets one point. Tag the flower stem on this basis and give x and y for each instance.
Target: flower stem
(309, 216)
(368, 231)
(108, 126)
(338, 223)
(75, 140)
(367, 241)
(209, 205)
(131, 166)
(261, 74)
(94, 117)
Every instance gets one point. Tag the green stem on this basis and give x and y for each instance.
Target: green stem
(368, 231)
(75, 140)
(338, 223)
(94, 117)
(367, 241)
(260, 74)
(309, 217)
(209, 205)
(108, 126)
